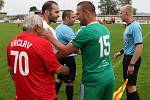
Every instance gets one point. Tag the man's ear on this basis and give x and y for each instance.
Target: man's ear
(87, 12)
(38, 29)
(67, 18)
(127, 13)
(47, 12)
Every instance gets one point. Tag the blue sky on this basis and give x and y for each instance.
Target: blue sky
(13, 7)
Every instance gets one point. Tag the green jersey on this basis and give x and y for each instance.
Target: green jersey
(94, 42)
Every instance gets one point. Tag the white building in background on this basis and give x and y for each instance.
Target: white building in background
(3, 15)
(38, 12)
(142, 19)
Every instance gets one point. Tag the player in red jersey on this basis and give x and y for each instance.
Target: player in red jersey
(32, 63)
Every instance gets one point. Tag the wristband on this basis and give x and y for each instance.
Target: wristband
(121, 51)
(132, 65)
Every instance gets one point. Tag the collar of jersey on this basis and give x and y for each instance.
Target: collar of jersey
(131, 22)
(92, 23)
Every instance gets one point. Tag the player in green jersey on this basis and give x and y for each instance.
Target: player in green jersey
(94, 43)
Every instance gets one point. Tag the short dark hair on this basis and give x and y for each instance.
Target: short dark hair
(66, 13)
(48, 6)
(87, 5)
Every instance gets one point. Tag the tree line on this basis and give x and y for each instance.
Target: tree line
(111, 7)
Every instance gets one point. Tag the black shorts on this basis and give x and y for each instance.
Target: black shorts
(132, 78)
(70, 62)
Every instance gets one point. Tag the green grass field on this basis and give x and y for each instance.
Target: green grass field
(7, 88)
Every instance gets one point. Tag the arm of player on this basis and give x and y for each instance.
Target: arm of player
(63, 50)
(68, 49)
(49, 36)
(136, 55)
(63, 69)
(117, 54)
(56, 43)
(11, 72)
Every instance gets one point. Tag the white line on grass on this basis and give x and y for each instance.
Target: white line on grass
(116, 64)
(145, 36)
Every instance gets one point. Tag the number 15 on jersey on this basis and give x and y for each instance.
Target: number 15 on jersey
(104, 45)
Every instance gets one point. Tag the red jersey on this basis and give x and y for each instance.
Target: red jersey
(34, 64)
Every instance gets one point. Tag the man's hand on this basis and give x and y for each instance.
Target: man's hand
(10, 69)
(63, 70)
(47, 34)
(130, 70)
(117, 54)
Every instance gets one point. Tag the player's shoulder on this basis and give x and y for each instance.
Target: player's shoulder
(45, 25)
(97, 27)
(80, 31)
(135, 25)
(64, 27)
(40, 40)
(59, 27)
(32, 37)
(15, 38)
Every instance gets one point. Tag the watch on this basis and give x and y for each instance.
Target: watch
(132, 65)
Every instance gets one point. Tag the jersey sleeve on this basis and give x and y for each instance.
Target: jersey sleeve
(137, 34)
(49, 58)
(81, 39)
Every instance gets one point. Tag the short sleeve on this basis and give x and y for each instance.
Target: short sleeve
(81, 39)
(137, 34)
(48, 56)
